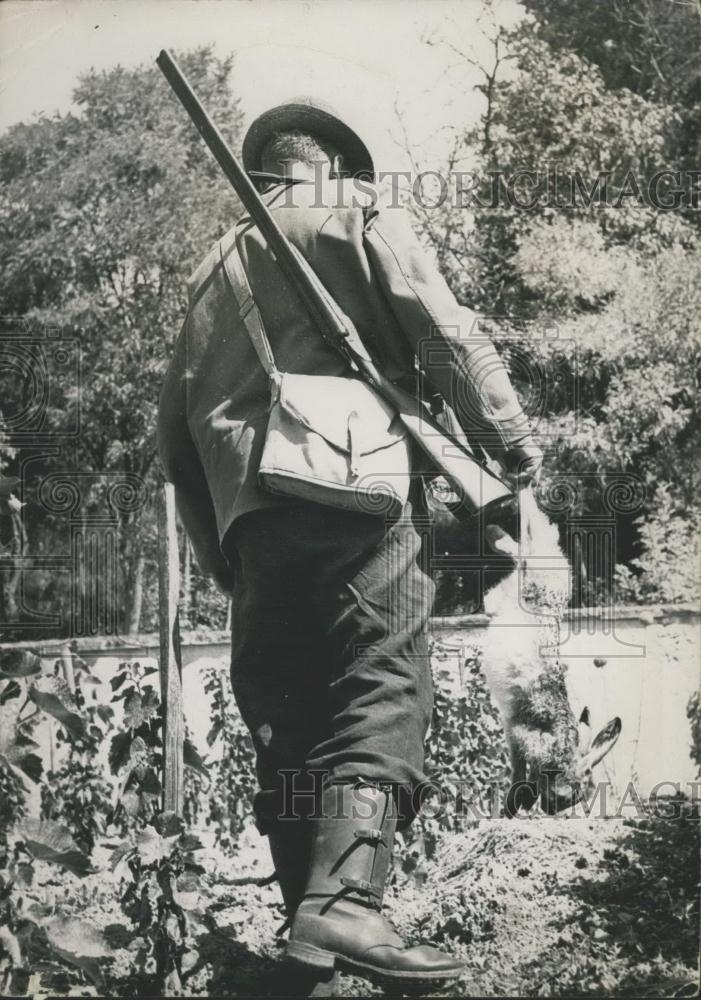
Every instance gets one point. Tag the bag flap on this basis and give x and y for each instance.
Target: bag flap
(330, 404)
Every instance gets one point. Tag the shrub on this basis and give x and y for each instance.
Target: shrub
(667, 568)
(466, 753)
(78, 793)
(233, 775)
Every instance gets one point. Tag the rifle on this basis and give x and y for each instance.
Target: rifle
(475, 486)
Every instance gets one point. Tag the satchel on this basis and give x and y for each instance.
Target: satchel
(330, 439)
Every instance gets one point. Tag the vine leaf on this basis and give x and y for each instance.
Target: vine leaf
(48, 841)
(190, 842)
(16, 746)
(168, 824)
(215, 731)
(133, 716)
(19, 663)
(12, 690)
(78, 942)
(49, 703)
(150, 845)
(149, 703)
(81, 665)
(138, 757)
(151, 784)
(32, 765)
(119, 853)
(131, 802)
(140, 707)
(192, 759)
(105, 712)
(24, 874)
(118, 936)
(116, 682)
(120, 748)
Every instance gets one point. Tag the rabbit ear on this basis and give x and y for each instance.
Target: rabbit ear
(500, 541)
(584, 730)
(521, 795)
(604, 741)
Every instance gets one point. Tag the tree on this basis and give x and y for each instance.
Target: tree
(647, 47)
(615, 278)
(106, 211)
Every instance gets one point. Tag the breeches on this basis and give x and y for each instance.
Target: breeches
(330, 666)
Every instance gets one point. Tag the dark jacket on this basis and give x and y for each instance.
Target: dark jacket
(214, 403)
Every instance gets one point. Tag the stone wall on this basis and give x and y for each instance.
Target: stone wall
(641, 664)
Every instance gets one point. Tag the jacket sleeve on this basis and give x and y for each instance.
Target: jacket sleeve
(459, 359)
(183, 468)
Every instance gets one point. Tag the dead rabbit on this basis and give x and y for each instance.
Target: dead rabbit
(552, 753)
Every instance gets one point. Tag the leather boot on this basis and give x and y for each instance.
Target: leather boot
(338, 923)
(290, 843)
(290, 849)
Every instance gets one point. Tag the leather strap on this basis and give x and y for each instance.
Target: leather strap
(248, 310)
(372, 892)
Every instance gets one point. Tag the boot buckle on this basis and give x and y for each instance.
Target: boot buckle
(363, 886)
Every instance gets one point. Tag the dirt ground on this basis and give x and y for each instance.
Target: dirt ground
(539, 907)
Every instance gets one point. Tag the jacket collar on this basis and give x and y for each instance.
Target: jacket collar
(272, 194)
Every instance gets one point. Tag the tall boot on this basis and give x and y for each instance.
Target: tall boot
(290, 849)
(290, 843)
(338, 923)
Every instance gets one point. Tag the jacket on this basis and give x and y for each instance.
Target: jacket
(214, 403)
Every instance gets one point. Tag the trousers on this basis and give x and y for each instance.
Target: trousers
(330, 667)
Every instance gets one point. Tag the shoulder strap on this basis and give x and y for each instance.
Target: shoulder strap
(248, 310)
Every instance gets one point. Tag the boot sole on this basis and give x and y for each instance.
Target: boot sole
(321, 959)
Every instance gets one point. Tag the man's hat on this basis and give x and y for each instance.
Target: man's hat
(316, 118)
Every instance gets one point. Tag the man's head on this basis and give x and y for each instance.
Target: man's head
(298, 154)
(289, 138)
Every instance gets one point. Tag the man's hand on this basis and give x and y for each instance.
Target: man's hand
(224, 580)
(522, 465)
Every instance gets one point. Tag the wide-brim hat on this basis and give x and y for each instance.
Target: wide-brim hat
(315, 117)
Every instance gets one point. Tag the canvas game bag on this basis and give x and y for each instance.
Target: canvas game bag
(330, 439)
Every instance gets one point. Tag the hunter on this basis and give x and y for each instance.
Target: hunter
(330, 666)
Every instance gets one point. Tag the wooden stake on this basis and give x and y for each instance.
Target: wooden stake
(171, 663)
(67, 663)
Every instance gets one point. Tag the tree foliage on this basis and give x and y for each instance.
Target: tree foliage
(595, 94)
(649, 48)
(105, 212)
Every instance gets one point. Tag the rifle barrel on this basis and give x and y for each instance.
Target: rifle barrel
(241, 183)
